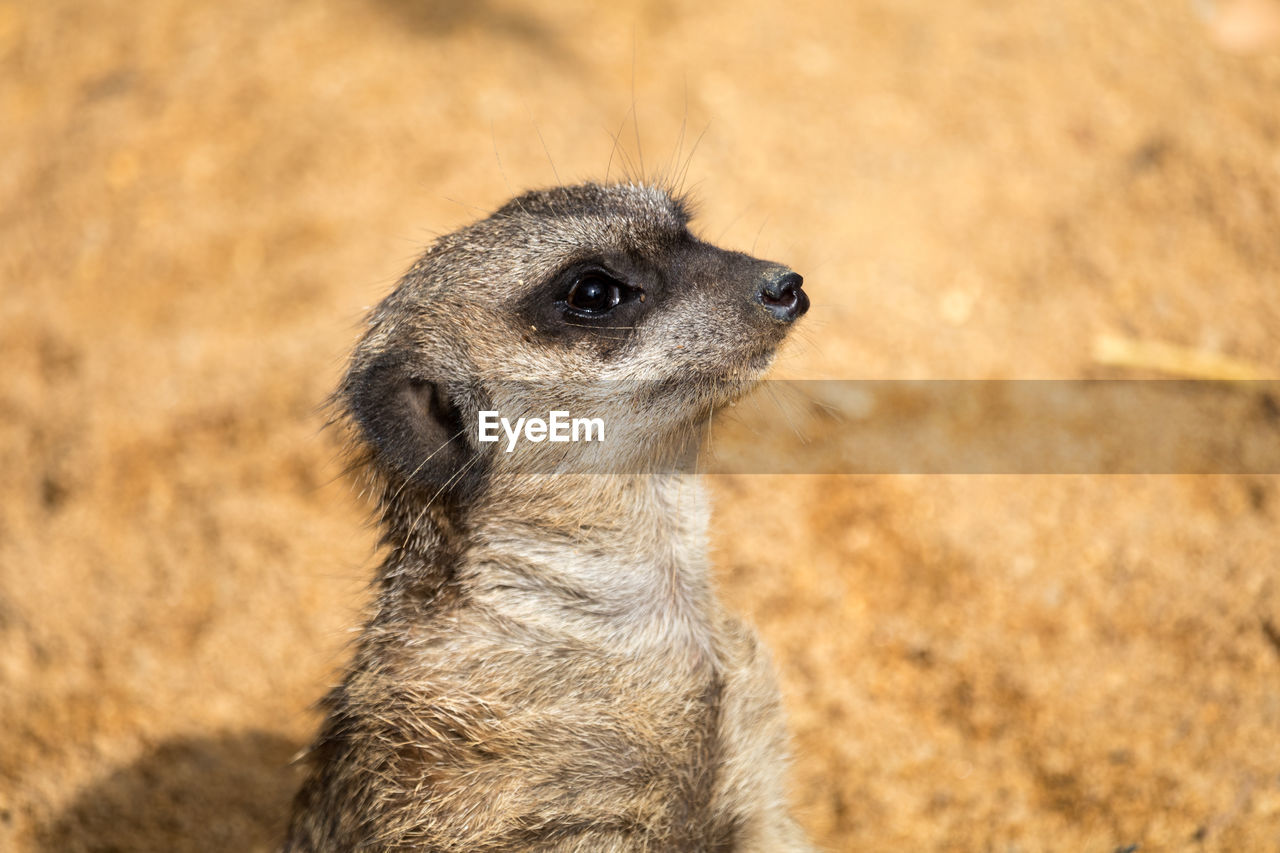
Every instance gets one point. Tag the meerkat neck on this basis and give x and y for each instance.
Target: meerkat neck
(619, 560)
(623, 560)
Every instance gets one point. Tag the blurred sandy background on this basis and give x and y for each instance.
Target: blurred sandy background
(197, 200)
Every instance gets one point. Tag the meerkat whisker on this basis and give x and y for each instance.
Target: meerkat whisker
(423, 464)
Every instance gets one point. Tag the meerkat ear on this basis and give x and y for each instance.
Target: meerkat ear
(414, 427)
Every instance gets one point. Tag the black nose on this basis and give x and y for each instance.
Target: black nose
(784, 296)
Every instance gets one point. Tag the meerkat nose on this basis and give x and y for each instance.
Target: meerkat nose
(783, 294)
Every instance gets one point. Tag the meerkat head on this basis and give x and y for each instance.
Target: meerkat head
(593, 299)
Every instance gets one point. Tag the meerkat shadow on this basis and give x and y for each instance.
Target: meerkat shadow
(189, 794)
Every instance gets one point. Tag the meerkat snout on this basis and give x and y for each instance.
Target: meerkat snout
(546, 666)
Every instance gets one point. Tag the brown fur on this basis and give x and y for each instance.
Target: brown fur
(547, 667)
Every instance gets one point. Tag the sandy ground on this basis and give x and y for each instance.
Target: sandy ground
(198, 200)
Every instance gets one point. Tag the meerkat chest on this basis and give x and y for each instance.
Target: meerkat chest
(569, 738)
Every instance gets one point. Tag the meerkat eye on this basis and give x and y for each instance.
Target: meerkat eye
(595, 293)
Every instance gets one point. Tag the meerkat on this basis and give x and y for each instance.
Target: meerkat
(546, 666)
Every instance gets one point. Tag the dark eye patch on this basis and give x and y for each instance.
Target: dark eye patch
(598, 299)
